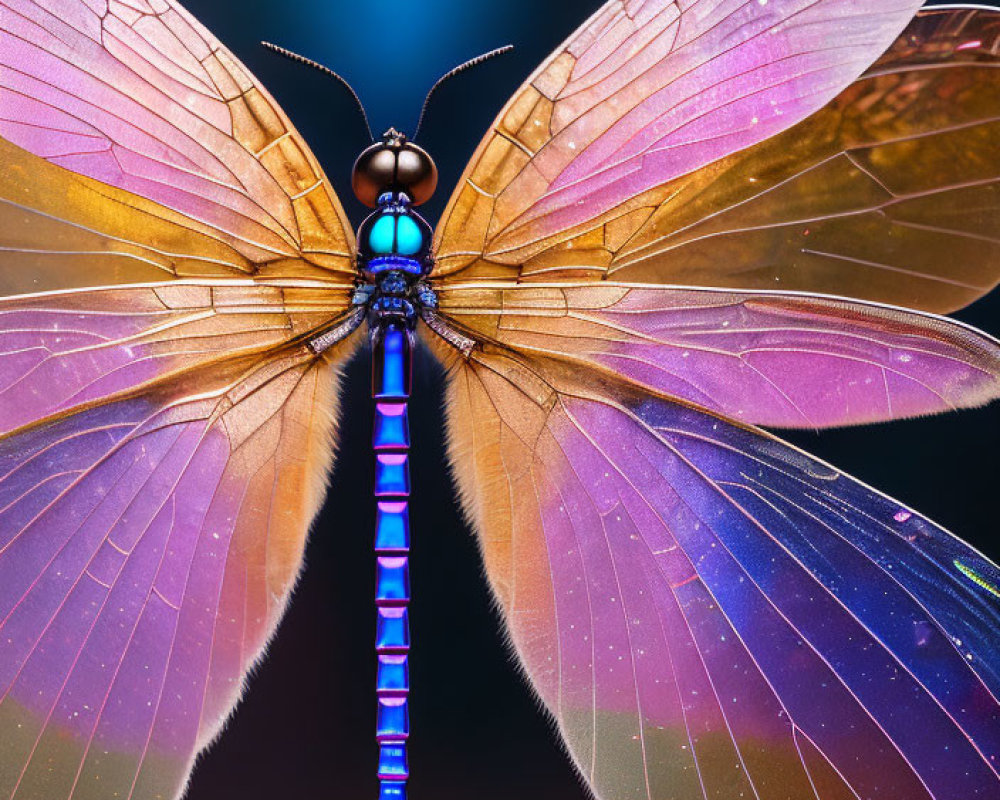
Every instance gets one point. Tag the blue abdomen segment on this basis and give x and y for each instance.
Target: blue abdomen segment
(393, 673)
(392, 357)
(392, 790)
(391, 428)
(392, 526)
(392, 475)
(392, 722)
(392, 762)
(391, 369)
(392, 581)
(392, 630)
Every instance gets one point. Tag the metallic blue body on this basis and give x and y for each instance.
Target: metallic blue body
(392, 761)
(393, 258)
(393, 673)
(391, 427)
(392, 630)
(392, 475)
(393, 247)
(392, 790)
(392, 346)
(392, 579)
(392, 526)
(392, 377)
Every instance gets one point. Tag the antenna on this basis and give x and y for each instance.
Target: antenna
(451, 73)
(281, 51)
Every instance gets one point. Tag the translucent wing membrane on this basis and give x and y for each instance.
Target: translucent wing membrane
(706, 611)
(147, 548)
(167, 246)
(139, 96)
(163, 448)
(64, 350)
(709, 612)
(672, 142)
(66, 231)
(774, 359)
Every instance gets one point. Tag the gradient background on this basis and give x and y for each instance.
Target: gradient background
(306, 729)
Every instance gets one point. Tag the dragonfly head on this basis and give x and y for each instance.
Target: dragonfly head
(394, 164)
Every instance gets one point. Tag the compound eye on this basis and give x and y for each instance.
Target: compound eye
(392, 232)
(382, 236)
(374, 172)
(394, 166)
(416, 173)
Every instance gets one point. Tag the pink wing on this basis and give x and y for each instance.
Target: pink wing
(147, 548)
(888, 192)
(167, 245)
(777, 359)
(646, 91)
(708, 612)
(141, 97)
(61, 351)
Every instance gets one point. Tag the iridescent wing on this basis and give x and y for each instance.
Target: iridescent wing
(777, 359)
(705, 610)
(674, 144)
(148, 544)
(167, 245)
(709, 612)
(142, 98)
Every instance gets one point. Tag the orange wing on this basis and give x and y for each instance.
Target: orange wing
(168, 246)
(142, 98)
(890, 192)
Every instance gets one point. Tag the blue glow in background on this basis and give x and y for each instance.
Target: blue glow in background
(392, 52)
(306, 729)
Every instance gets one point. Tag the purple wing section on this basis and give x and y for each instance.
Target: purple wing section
(147, 548)
(709, 612)
(779, 359)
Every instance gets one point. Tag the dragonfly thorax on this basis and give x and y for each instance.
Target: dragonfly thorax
(393, 257)
(394, 238)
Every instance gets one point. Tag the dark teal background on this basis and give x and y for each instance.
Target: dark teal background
(306, 728)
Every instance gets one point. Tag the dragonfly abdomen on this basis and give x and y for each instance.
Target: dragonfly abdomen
(392, 348)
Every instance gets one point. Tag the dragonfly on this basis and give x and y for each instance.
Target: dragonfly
(694, 221)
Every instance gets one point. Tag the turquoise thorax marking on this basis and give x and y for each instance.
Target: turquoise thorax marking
(394, 238)
(409, 237)
(395, 233)
(382, 236)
